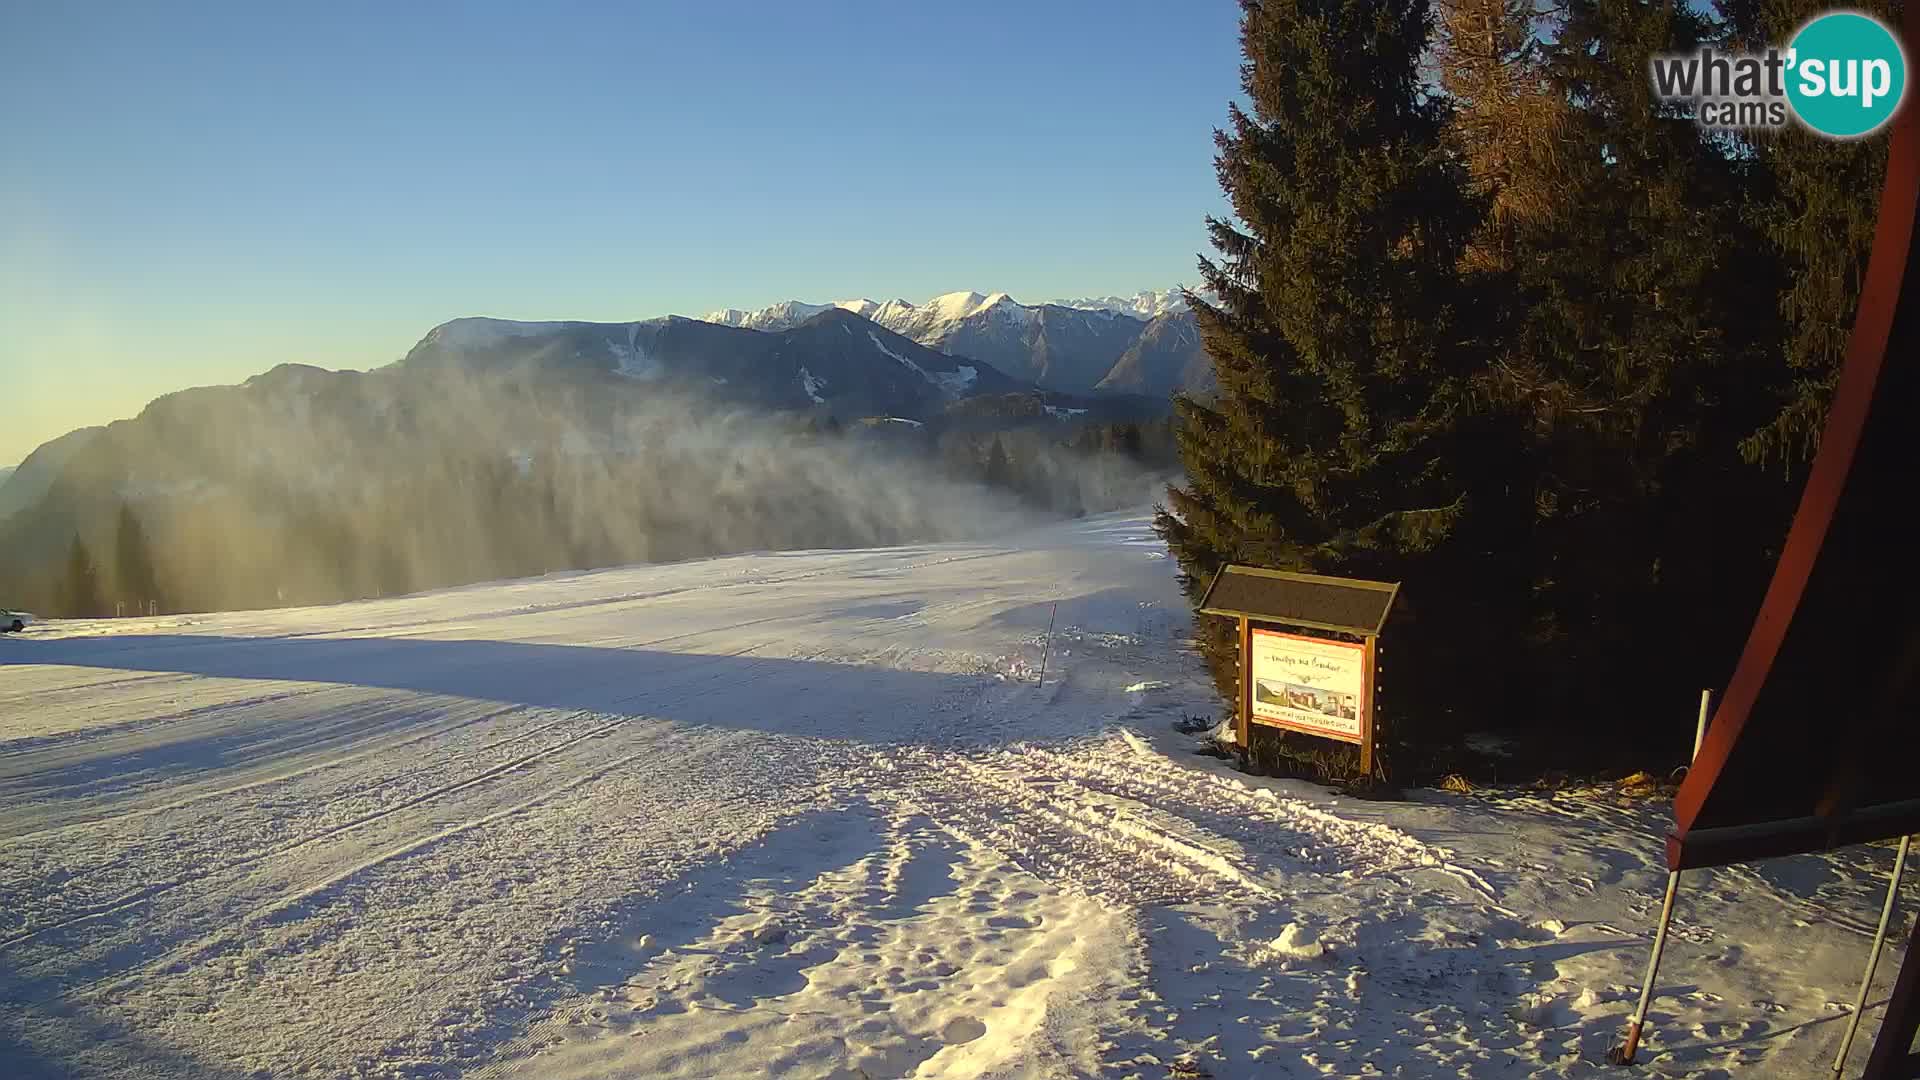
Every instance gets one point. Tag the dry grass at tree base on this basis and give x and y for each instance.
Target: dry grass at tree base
(1454, 770)
(1635, 785)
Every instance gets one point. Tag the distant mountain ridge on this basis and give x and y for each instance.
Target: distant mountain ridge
(1072, 346)
(24, 484)
(1166, 358)
(1148, 304)
(834, 359)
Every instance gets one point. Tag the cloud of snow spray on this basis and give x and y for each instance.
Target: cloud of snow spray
(310, 486)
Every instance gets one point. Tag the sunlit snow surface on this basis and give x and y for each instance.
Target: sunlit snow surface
(807, 815)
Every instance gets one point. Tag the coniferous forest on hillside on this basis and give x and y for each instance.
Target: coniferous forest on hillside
(1491, 320)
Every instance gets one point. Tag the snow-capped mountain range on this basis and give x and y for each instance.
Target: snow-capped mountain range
(905, 317)
(1142, 305)
(1073, 346)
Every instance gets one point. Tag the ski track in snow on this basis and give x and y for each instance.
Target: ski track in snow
(806, 814)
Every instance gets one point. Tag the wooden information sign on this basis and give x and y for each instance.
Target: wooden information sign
(1318, 684)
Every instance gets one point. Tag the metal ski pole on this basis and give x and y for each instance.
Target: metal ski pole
(1873, 958)
(1623, 1054)
(1048, 650)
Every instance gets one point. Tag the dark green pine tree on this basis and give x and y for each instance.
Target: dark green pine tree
(135, 581)
(1824, 201)
(83, 599)
(1329, 324)
(1634, 362)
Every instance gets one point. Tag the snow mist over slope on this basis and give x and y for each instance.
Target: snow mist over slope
(811, 814)
(304, 485)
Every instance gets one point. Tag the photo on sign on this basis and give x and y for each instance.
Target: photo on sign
(1309, 684)
(1312, 699)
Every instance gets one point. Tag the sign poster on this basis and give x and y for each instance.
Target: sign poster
(1310, 685)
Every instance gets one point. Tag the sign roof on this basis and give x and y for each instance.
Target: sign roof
(1347, 605)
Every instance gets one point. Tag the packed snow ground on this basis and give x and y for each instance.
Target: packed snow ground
(806, 814)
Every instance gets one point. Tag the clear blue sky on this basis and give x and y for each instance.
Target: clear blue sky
(192, 193)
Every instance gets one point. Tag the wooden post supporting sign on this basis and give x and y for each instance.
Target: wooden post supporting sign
(1369, 669)
(1243, 724)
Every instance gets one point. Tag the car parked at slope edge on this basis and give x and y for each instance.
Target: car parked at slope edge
(12, 622)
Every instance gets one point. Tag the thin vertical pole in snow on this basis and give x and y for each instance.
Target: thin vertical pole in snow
(1623, 1054)
(1042, 681)
(1700, 729)
(1873, 958)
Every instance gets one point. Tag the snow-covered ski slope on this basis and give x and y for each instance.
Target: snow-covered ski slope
(806, 815)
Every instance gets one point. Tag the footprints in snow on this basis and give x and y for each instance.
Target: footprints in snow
(870, 951)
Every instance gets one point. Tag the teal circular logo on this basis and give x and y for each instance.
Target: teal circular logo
(1847, 74)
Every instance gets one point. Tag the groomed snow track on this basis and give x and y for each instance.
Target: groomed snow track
(805, 814)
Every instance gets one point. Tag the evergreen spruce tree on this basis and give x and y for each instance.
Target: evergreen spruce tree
(1823, 202)
(134, 578)
(1509, 123)
(83, 599)
(1329, 325)
(1626, 349)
